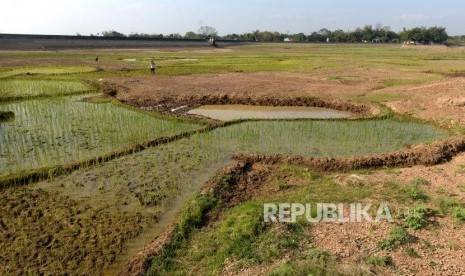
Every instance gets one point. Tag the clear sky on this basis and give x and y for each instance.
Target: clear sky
(227, 16)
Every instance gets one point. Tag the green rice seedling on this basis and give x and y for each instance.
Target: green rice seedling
(20, 88)
(48, 132)
(46, 70)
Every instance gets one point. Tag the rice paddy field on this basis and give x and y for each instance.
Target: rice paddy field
(62, 130)
(92, 220)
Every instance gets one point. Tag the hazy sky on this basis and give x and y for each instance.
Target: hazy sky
(227, 16)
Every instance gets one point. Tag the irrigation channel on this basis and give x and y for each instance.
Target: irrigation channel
(94, 219)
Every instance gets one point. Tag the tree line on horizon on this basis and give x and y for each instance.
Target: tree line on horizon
(367, 34)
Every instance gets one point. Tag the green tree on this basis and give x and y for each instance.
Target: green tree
(192, 35)
(367, 33)
(438, 34)
(207, 31)
(113, 33)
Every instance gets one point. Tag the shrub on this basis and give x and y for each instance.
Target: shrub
(379, 260)
(418, 217)
(458, 213)
(397, 236)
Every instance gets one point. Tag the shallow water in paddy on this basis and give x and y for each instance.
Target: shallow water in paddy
(235, 112)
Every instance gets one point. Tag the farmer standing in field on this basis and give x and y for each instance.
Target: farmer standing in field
(152, 67)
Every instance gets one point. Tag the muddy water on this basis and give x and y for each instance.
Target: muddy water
(235, 112)
(171, 210)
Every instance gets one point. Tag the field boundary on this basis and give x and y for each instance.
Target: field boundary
(424, 154)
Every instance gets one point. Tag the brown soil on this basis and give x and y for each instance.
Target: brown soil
(163, 93)
(441, 248)
(442, 101)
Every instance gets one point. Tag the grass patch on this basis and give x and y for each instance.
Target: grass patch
(240, 235)
(397, 236)
(458, 213)
(418, 216)
(418, 181)
(411, 252)
(379, 97)
(462, 187)
(192, 217)
(416, 193)
(380, 261)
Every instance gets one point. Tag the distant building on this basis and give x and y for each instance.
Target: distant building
(288, 39)
(410, 42)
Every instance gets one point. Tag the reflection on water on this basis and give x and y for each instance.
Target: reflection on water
(234, 112)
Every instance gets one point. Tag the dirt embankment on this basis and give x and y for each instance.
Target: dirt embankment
(435, 153)
(166, 94)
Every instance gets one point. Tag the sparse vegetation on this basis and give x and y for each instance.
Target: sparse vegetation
(380, 260)
(458, 213)
(415, 193)
(397, 236)
(418, 217)
(411, 252)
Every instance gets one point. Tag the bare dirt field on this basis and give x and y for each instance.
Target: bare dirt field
(164, 92)
(167, 92)
(442, 101)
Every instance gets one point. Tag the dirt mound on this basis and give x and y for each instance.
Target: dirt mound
(436, 153)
